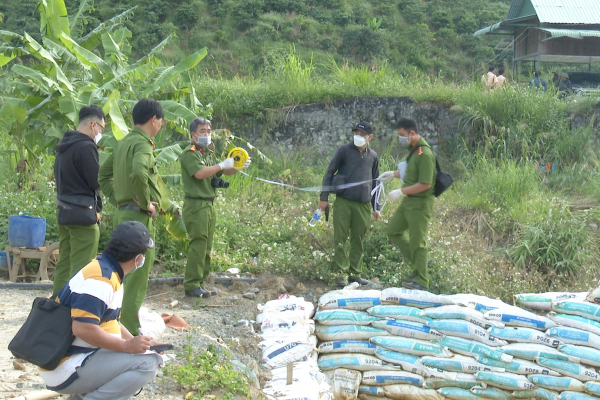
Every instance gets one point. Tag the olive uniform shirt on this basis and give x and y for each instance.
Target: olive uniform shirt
(192, 160)
(130, 172)
(420, 168)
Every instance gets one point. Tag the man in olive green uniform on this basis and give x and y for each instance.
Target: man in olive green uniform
(407, 229)
(201, 178)
(351, 163)
(129, 178)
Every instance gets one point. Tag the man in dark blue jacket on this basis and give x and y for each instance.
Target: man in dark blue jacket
(79, 204)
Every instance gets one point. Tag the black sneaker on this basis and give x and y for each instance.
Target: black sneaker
(359, 280)
(414, 286)
(199, 292)
(340, 282)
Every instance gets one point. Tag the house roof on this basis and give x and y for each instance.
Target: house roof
(579, 12)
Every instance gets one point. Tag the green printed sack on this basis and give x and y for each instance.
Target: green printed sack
(401, 313)
(538, 393)
(583, 309)
(575, 336)
(347, 332)
(593, 388)
(505, 380)
(523, 335)
(408, 329)
(466, 330)
(575, 396)
(529, 351)
(575, 321)
(458, 364)
(411, 363)
(371, 390)
(462, 380)
(356, 362)
(573, 370)
(411, 346)
(491, 393)
(558, 383)
(517, 366)
(587, 355)
(543, 301)
(344, 317)
(460, 312)
(458, 394)
(472, 348)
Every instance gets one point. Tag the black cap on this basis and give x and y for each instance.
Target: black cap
(364, 127)
(132, 237)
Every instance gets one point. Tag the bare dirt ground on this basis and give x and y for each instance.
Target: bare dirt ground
(212, 320)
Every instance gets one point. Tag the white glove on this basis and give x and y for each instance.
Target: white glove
(226, 164)
(396, 194)
(386, 176)
(247, 163)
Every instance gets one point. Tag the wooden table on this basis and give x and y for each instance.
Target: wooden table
(16, 256)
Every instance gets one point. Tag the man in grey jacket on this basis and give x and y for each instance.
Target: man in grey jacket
(351, 163)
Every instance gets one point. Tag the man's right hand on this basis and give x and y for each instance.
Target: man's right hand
(138, 344)
(226, 164)
(323, 204)
(152, 209)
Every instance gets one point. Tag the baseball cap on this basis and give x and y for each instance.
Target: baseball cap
(132, 237)
(364, 127)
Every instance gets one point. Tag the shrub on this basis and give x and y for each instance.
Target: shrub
(362, 43)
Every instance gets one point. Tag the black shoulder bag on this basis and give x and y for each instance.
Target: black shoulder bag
(46, 335)
(443, 180)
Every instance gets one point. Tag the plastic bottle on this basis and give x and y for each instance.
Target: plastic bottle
(316, 217)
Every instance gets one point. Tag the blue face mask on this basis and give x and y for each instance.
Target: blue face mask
(404, 141)
(203, 141)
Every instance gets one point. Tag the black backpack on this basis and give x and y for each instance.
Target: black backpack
(443, 180)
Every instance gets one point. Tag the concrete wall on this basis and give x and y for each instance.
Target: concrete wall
(324, 126)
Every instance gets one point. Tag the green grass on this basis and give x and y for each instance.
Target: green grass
(203, 372)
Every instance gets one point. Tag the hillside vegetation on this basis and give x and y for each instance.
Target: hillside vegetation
(243, 36)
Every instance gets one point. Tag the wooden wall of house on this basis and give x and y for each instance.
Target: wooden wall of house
(526, 41)
(567, 46)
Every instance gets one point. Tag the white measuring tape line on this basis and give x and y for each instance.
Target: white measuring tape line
(378, 191)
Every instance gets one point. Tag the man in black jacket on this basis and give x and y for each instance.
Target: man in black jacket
(352, 162)
(79, 203)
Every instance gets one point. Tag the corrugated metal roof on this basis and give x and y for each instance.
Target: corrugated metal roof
(574, 33)
(583, 12)
(515, 9)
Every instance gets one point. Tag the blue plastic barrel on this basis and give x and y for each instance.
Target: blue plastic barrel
(4, 260)
(26, 231)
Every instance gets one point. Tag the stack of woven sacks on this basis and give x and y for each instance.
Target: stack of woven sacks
(288, 337)
(408, 344)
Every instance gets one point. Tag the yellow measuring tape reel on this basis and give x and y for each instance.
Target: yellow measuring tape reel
(240, 156)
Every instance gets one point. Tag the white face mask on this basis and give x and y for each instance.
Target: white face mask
(141, 263)
(359, 141)
(97, 137)
(203, 141)
(404, 141)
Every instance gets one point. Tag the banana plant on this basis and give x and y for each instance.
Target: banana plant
(48, 82)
